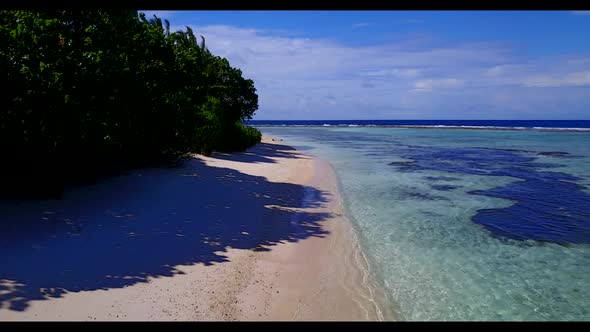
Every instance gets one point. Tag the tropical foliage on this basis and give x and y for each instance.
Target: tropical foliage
(86, 93)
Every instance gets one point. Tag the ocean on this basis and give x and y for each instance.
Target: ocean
(464, 224)
(558, 125)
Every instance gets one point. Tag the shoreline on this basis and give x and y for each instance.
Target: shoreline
(371, 281)
(380, 301)
(306, 271)
(325, 278)
(350, 267)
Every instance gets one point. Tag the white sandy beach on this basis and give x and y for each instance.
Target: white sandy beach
(225, 240)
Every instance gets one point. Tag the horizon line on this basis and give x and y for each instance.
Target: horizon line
(420, 120)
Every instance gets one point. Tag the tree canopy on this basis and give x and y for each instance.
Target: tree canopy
(90, 92)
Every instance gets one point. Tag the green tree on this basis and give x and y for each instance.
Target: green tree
(93, 92)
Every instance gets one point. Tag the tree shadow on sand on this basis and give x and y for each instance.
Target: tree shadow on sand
(261, 153)
(126, 229)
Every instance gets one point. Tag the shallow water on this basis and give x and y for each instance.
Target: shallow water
(466, 224)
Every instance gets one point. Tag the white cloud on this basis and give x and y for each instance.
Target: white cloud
(306, 78)
(580, 12)
(398, 72)
(496, 70)
(571, 79)
(444, 83)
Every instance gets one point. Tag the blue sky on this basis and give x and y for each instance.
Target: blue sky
(405, 64)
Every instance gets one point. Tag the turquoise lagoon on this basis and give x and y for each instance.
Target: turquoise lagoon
(466, 224)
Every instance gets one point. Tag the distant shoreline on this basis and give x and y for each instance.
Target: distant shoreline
(541, 129)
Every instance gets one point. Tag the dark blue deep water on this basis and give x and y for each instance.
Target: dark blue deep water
(512, 124)
(549, 205)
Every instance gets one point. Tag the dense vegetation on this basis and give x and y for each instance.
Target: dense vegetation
(87, 93)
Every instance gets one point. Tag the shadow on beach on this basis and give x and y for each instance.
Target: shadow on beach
(261, 153)
(123, 230)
